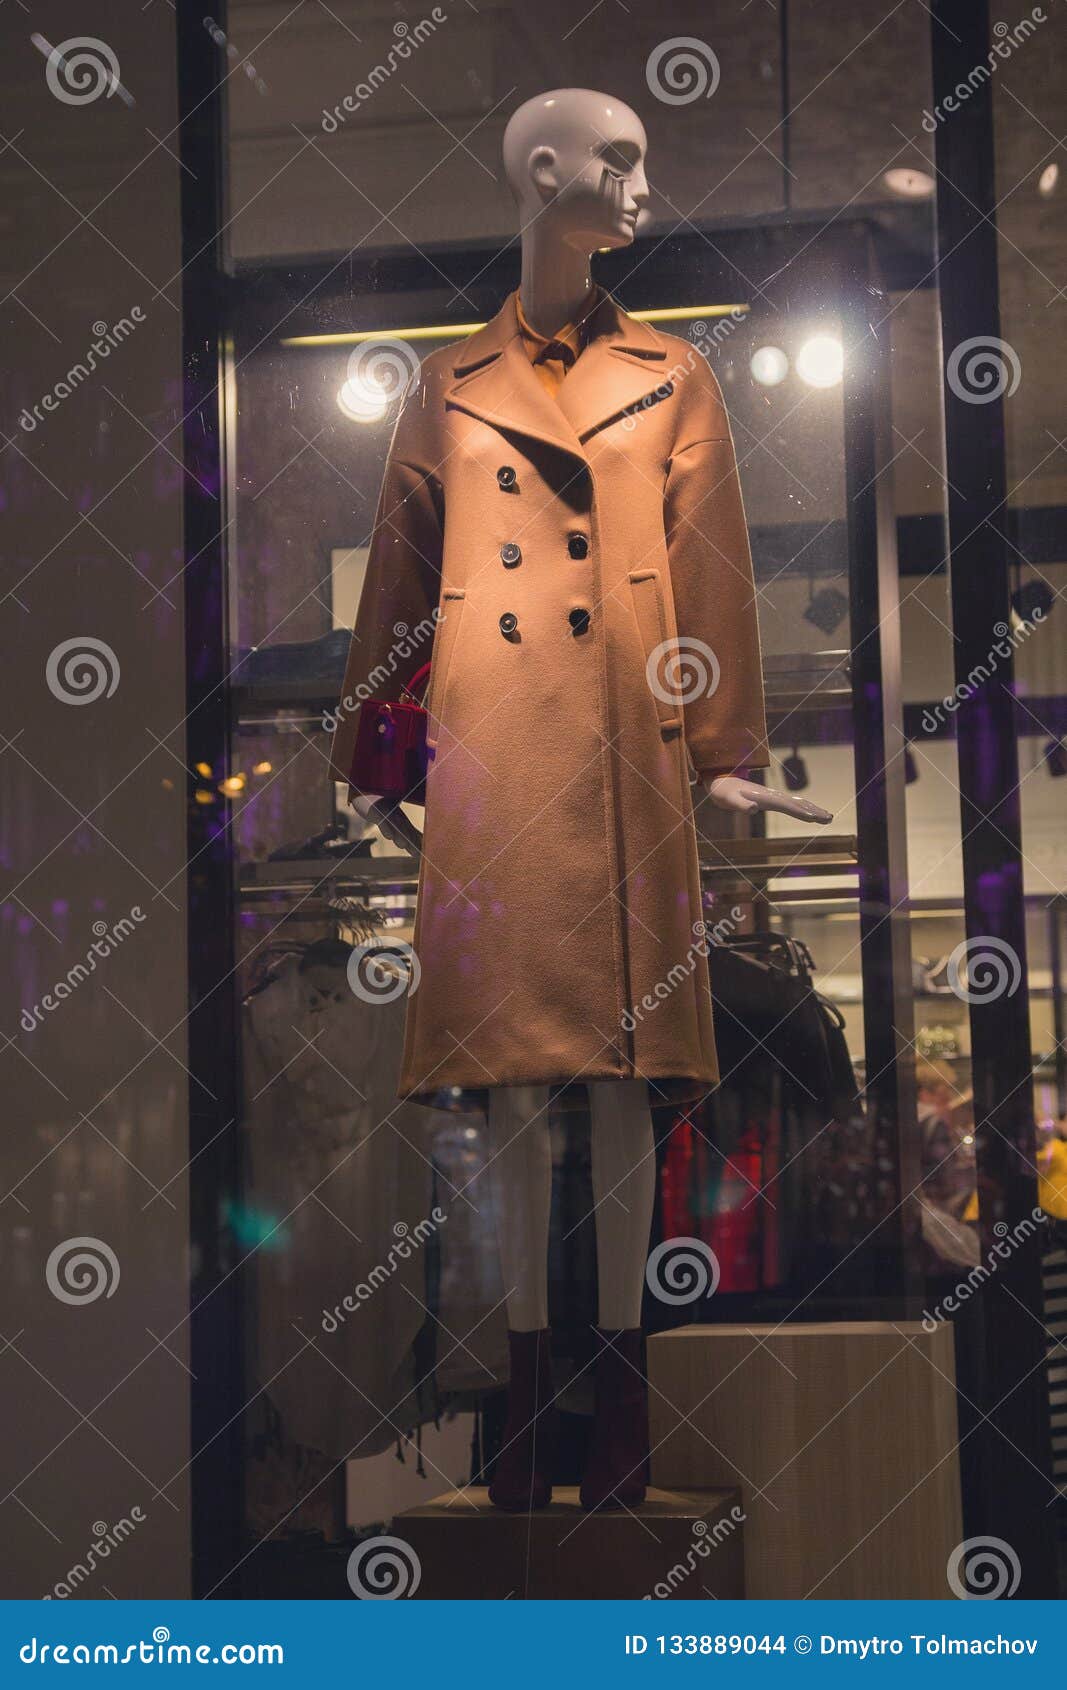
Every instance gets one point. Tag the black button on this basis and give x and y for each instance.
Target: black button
(508, 622)
(579, 621)
(578, 545)
(510, 555)
(506, 477)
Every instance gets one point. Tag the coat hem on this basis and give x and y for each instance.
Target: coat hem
(470, 1095)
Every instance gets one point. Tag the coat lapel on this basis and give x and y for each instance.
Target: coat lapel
(621, 366)
(494, 380)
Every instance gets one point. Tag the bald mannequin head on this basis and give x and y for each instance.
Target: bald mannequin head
(575, 161)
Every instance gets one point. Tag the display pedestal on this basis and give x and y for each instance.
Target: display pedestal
(677, 1545)
(842, 1438)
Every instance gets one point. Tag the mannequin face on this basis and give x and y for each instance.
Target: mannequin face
(584, 164)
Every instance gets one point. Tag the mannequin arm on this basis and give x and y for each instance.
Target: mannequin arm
(732, 792)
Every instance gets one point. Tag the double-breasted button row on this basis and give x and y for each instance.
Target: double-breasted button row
(578, 619)
(511, 553)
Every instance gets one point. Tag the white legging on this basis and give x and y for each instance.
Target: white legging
(624, 1184)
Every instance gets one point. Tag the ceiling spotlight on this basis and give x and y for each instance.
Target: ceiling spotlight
(769, 366)
(909, 184)
(795, 772)
(1055, 755)
(820, 361)
(1048, 179)
(363, 401)
(827, 610)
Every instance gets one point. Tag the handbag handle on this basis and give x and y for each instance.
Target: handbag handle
(417, 684)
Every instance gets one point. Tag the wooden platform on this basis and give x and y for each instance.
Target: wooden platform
(842, 1438)
(678, 1545)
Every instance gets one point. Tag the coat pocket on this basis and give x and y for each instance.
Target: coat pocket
(661, 650)
(451, 613)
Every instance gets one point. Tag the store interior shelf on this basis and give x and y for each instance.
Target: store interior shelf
(792, 681)
(752, 861)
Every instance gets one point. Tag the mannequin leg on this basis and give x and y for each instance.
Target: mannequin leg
(624, 1189)
(520, 1180)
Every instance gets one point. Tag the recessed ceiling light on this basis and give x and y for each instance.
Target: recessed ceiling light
(1048, 179)
(909, 184)
(769, 365)
(820, 361)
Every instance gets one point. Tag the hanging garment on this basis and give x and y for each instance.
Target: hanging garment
(341, 1194)
(587, 562)
(744, 1170)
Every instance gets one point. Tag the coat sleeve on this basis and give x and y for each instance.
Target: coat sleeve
(395, 622)
(714, 593)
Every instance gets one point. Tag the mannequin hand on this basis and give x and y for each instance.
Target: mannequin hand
(390, 821)
(730, 792)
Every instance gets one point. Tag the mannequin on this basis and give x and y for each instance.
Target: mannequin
(575, 163)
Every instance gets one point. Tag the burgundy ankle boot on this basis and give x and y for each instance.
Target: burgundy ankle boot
(617, 1466)
(522, 1477)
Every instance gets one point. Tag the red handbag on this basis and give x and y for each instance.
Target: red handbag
(390, 756)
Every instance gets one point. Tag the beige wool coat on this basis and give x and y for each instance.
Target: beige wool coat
(583, 564)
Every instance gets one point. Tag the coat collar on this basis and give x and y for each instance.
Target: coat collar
(494, 380)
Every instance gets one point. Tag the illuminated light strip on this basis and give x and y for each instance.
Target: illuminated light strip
(458, 331)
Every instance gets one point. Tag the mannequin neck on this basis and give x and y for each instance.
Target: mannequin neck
(555, 279)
